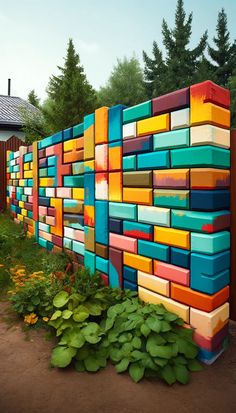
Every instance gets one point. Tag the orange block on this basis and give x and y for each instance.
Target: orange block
(115, 186)
(199, 300)
(209, 178)
(101, 125)
(73, 156)
(141, 196)
(115, 158)
(57, 204)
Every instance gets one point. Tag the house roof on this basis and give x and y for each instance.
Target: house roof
(10, 110)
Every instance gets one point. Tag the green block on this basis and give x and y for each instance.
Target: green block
(129, 163)
(77, 168)
(74, 181)
(89, 261)
(173, 139)
(171, 198)
(201, 156)
(210, 243)
(138, 112)
(207, 222)
(123, 211)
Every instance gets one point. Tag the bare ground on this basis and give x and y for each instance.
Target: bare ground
(29, 385)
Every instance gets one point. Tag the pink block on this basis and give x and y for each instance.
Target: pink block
(42, 210)
(45, 235)
(122, 242)
(50, 221)
(171, 272)
(63, 192)
(101, 157)
(79, 235)
(30, 199)
(50, 151)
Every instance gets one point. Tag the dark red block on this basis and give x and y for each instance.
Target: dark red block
(105, 279)
(116, 260)
(172, 101)
(210, 92)
(58, 241)
(29, 149)
(28, 206)
(137, 145)
(42, 153)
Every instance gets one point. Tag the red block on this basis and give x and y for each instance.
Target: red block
(172, 101)
(213, 343)
(58, 241)
(42, 153)
(210, 92)
(116, 259)
(51, 212)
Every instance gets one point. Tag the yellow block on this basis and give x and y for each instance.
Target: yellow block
(78, 193)
(20, 217)
(90, 165)
(156, 284)
(150, 297)
(208, 324)
(174, 237)
(21, 182)
(28, 174)
(209, 113)
(89, 150)
(138, 262)
(160, 123)
(24, 212)
(18, 175)
(70, 145)
(26, 166)
(101, 125)
(21, 204)
(46, 182)
(115, 186)
(142, 196)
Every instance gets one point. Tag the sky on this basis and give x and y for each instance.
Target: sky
(35, 33)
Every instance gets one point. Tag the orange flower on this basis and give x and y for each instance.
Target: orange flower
(45, 319)
(31, 318)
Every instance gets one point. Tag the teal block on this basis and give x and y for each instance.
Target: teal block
(89, 261)
(43, 172)
(129, 163)
(74, 181)
(207, 222)
(51, 140)
(171, 198)
(24, 198)
(101, 219)
(52, 171)
(154, 160)
(29, 182)
(42, 191)
(42, 242)
(52, 161)
(123, 211)
(78, 247)
(30, 214)
(115, 123)
(67, 134)
(77, 168)
(102, 265)
(78, 130)
(67, 243)
(173, 139)
(154, 215)
(28, 157)
(138, 112)
(200, 156)
(210, 243)
(89, 120)
(137, 230)
(44, 227)
(153, 250)
(16, 168)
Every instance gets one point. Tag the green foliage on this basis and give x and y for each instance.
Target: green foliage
(33, 99)
(232, 87)
(125, 84)
(34, 125)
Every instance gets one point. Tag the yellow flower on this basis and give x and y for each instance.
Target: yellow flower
(1, 265)
(31, 318)
(45, 319)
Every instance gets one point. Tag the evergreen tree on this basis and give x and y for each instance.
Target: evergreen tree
(232, 87)
(71, 97)
(224, 55)
(125, 84)
(154, 72)
(33, 99)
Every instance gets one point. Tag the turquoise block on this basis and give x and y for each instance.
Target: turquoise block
(24, 198)
(121, 210)
(137, 230)
(173, 139)
(16, 168)
(129, 163)
(154, 250)
(42, 242)
(102, 265)
(67, 243)
(28, 157)
(89, 261)
(154, 160)
(78, 130)
(207, 222)
(42, 191)
(115, 121)
(51, 140)
(89, 120)
(30, 214)
(67, 134)
(154, 215)
(29, 182)
(78, 247)
(171, 198)
(138, 112)
(74, 181)
(210, 243)
(88, 168)
(52, 171)
(200, 156)
(36, 229)
(77, 168)
(44, 227)
(89, 189)
(43, 172)
(114, 280)
(101, 219)
(209, 357)
(52, 161)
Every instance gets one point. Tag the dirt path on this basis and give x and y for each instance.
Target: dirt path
(29, 385)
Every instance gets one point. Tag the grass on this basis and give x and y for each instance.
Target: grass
(17, 249)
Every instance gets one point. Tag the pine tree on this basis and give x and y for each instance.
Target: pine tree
(154, 72)
(33, 99)
(224, 55)
(71, 97)
(232, 87)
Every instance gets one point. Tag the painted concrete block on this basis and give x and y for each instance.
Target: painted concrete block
(122, 211)
(211, 343)
(138, 195)
(154, 160)
(89, 189)
(141, 111)
(127, 285)
(178, 99)
(171, 198)
(74, 181)
(67, 243)
(72, 206)
(88, 166)
(78, 247)
(116, 225)
(172, 272)
(209, 357)
(199, 300)
(172, 139)
(115, 186)
(207, 178)
(200, 156)
(101, 157)
(205, 200)
(101, 219)
(210, 243)
(138, 145)
(208, 324)
(171, 305)
(210, 135)
(130, 130)
(89, 261)
(101, 250)
(63, 192)
(78, 193)
(154, 215)
(77, 168)
(129, 163)
(173, 237)
(115, 120)
(74, 221)
(89, 140)
(180, 118)
(122, 242)
(101, 185)
(197, 221)
(115, 156)
(78, 130)
(137, 230)
(67, 134)
(102, 265)
(153, 250)
(101, 125)
(180, 257)
(115, 267)
(155, 124)
(153, 283)
(89, 238)
(137, 179)
(138, 262)
(130, 274)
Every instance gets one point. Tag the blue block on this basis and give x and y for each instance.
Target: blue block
(78, 130)
(89, 189)
(101, 219)
(210, 273)
(43, 163)
(102, 265)
(154, 160)
(130, 274)
(210, 200)
(67, 134)
(129, 163)
(153, 250)
(89, 261)
(51, 140)
(115, 116)
(180, 257)
(28, 157)
(130, 286)
(115, 225)
(209, 357)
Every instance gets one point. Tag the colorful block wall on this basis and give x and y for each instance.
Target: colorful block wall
(141, 194)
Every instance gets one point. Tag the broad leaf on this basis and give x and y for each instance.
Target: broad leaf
(91, 333)
(168, 374)
(122, 365)
(154, 324)
(136, 372)
(194, 365)
(61, 299)
(66, 314)
(181, 374)
(75, 338)
(56, 315)
(91, 364)
(79, 366)
(145, 330)
(62, 356)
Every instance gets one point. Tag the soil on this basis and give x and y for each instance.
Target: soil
(29, 385)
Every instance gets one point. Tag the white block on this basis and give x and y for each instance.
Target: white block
(179, 119)
(154, 215)
(154, 283)
(210, 135)
(129, 130)
(28, 191)
(50, 192)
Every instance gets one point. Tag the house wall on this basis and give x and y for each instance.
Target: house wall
(141, 194)
(5, 135)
